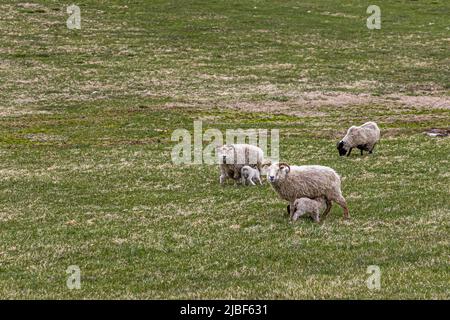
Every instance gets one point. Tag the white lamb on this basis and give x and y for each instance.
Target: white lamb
(304, 206)
(250, 175)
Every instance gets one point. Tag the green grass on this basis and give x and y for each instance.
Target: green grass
(86, 118)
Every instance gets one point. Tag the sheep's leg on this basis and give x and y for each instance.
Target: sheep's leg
(341, 201)
(297, 215)
(316, 217)
(223, 174)
(293, 213)
(371, 150)
(327, 210)
(349, 151)
(360, 147)
(289, 209)
(259, 166)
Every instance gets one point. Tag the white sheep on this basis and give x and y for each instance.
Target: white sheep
(233, 157)
(293, 182)
(251, 175)
(304, 206)
(364, 137)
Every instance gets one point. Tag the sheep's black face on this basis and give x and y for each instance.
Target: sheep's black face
(341, 148)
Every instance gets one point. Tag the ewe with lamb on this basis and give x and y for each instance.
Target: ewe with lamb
(294, 182)
(233, 157)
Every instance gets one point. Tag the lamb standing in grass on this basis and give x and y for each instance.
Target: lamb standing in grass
(294, 182)
(233, 157)
(250, 175)
(304, 206)
(364, 137)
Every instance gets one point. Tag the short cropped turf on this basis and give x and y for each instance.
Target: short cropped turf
(87, 179)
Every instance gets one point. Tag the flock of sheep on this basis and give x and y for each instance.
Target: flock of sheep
(308, 188)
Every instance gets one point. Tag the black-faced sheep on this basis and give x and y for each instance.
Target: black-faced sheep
(364, 137)
(293, 182)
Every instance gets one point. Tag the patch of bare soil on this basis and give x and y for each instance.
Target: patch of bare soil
(422, 101)
(17, 112)
(28, 5)
(42, 137)
(437, 132)
(339, 14)
(304, 104)
(32, 7)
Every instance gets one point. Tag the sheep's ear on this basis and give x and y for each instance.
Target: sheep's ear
(352, 128)
(284, 167)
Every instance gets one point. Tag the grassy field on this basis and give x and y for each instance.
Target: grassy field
(86, 177)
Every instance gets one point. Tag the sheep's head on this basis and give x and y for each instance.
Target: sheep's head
(295, 206)
(225, 154)
(342, 148)
(277, 171)
(245, 171)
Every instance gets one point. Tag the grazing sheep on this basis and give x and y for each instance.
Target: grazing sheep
(293, 182)
(364, 137)
(305, 206)
(233, 157)
(251, 175)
